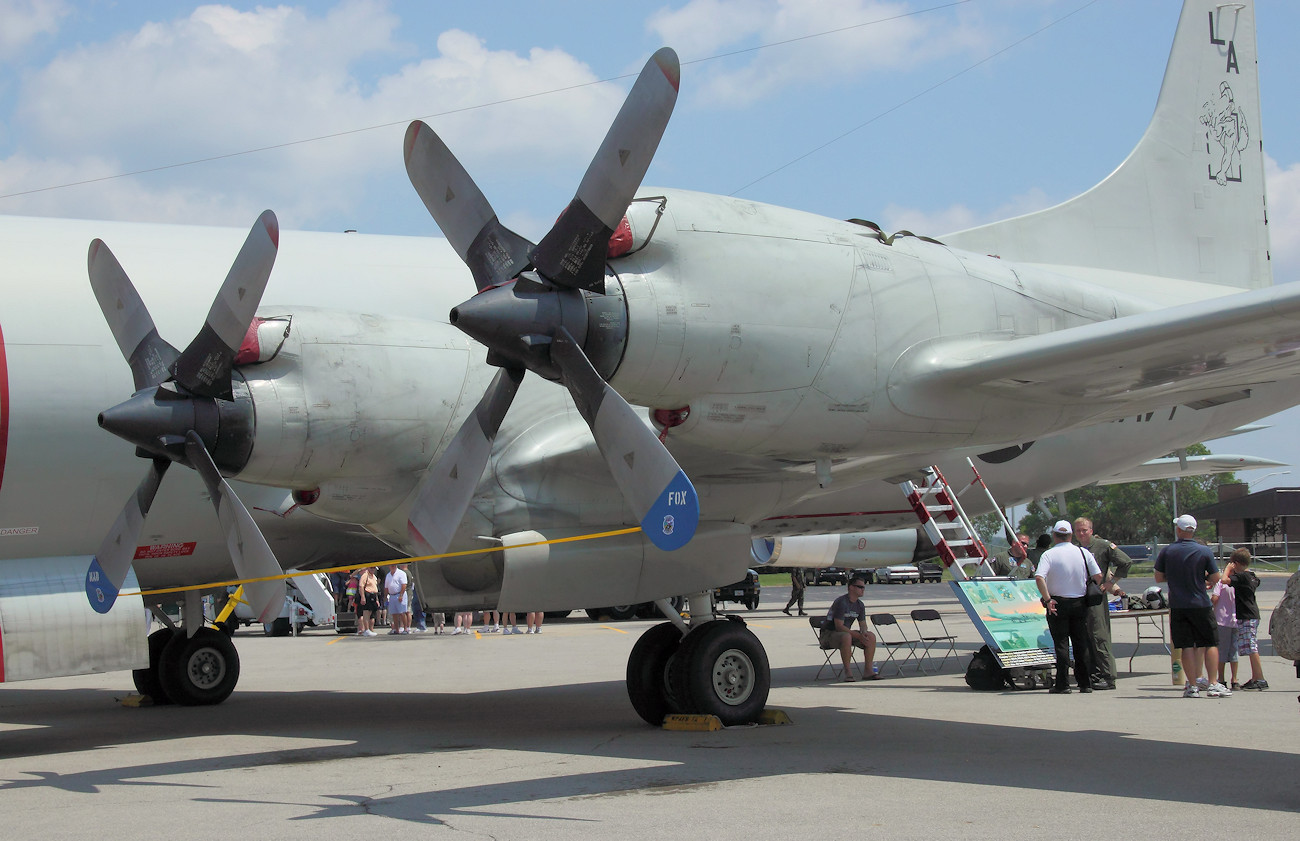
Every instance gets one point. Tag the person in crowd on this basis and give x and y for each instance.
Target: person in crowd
(534, 622)
(368, 588)
(1062, 576)
(1189, 569)
(1114, 564)
(395, 588)
(1244, 583)
(1224, 603)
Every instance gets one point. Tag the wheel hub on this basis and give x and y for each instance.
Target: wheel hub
(207, 668)
(733, 677)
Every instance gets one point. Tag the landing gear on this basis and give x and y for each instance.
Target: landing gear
(719, 668)
(199, 670)
(146, 679)
(647, 672)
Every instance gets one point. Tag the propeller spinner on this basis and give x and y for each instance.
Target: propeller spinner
(184, 410)
(533, 309)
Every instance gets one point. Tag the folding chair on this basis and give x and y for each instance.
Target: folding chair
(886, 625)
(834, 664)
(933, 638)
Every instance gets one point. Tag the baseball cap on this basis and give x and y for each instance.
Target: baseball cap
(1186, 522)
(1063, 527)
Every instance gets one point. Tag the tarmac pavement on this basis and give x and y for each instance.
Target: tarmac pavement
(533, 737)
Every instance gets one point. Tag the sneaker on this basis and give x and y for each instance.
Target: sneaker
(1103, 685)
(1202, 684)
(1086, 690)
(370, 634)
(507, 631)
(514, 629)
(1217, 690)
(457, 631)
(1190, 691)
(1255, 683)
(1236, 687)
(1059, 690)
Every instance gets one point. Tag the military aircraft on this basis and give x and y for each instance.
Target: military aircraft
(710, 372)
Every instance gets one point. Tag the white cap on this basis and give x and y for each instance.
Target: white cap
(1186, 522)
(1063, 527)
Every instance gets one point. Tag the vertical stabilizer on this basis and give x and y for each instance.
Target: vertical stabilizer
(1189, 202)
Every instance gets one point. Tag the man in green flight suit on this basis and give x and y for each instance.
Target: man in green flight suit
(1114, 565)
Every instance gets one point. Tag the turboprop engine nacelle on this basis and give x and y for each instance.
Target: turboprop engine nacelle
(852, 551)
(350, 407)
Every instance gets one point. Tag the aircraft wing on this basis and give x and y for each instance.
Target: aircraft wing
(1175, 468)
(1181, 354)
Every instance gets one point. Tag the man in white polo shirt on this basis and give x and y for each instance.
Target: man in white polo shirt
(1062, 577)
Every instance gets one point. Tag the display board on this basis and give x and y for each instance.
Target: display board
(1010, 618)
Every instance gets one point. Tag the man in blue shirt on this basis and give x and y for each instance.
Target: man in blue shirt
(1189, 569)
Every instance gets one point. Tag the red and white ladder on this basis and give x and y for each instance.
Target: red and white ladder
(946, 523)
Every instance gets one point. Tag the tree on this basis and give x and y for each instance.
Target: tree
(1137, 512)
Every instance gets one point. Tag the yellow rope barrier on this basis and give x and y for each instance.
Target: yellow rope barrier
(350, 567)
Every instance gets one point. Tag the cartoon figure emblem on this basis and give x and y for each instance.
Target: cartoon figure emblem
(669, 524)
(1225, 126)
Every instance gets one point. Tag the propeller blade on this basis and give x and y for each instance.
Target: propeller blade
(109, 567)
(204, 367)
(493, 252)
(445, 492)
(657, 489)
(149, 355)
(249, 551)
(573, 252)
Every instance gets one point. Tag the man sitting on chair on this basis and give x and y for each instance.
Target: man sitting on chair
(837, 630)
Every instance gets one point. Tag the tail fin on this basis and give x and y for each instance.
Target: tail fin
(1189, 202)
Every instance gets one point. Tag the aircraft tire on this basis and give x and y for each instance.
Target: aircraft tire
(146, 680)
(647, 679)
(721, 669)
(200, 670)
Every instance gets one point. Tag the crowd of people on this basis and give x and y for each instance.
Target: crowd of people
(1213, 615)
(399, 608)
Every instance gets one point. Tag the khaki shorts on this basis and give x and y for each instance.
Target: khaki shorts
(834, 639)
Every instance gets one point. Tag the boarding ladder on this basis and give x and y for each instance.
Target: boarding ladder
(946, 523)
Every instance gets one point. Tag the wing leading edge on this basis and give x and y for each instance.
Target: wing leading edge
(1164, 357)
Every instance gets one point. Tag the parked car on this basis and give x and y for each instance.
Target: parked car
(899, 574)
(831, 575)
(745, 591)
(931, 571)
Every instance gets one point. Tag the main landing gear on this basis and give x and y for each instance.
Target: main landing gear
(192, 670)
(711, 667)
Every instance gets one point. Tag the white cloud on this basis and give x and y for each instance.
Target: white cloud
(705, 27)
(1283, 219)
(959, 217)
(220, 81)
(23, 21)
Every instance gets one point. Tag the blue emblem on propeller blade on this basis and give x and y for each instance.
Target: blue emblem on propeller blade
(99, 589)
(671, 521)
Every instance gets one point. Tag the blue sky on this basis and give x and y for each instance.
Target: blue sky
(908, 122)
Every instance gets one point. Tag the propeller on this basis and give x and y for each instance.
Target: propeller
(544, 308)
(185, 410)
